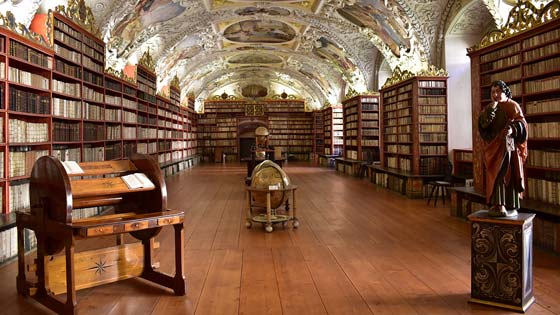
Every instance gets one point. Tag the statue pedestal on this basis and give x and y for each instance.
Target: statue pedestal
(502, 260)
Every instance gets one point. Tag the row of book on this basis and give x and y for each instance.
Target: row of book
(66, 132)
(21, 162)
(27, 132)
(93, 78)
(547, 50)
(72, 89)
(542, 85)
(28, 54)
(68, 69)
(500, 63)
(67, 108)
(68, 54)
(543, 190)
(543, 106)
(27, 78)
(433, 149)
(29, 102)
(541, 66)
(545, 130)
(544, 158)
(19, 196)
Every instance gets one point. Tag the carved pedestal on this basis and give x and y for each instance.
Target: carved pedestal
(501, 260)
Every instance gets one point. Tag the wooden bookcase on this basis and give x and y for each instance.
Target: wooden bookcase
(318, 135)
(415, 126)
(217, 129)
(291, 128)
(361, 128)
(26, 114)
(333, 130)
(414, 142)
(463, 163)
(529, 62)
(59, 101)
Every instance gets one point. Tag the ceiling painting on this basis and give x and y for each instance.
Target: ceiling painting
(259, 31)
(375, 16)
(318, 47)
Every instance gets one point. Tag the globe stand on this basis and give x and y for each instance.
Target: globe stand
(271, 217)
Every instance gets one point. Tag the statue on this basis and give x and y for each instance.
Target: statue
(503, 128)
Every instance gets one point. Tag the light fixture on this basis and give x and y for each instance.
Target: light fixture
(224, 95)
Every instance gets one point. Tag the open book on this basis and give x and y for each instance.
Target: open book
(72, 167)
(137, 180)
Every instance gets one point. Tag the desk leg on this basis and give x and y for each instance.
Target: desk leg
(295, 221)
(268, 227)
(249, 220)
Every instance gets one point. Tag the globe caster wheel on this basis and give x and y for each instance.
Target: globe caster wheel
(268, 228)
(296, 224)
(248, 224)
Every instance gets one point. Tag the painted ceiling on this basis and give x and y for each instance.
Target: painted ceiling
(319, 50)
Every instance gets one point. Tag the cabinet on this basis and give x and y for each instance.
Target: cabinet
(463, 163)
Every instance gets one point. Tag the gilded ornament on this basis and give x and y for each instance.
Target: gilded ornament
(115, 73)
(403, 75)
(80, 13)
(175, 82)
(351, 93)
(147, 61)
(432, 71)
(8, 21)
(522, 17)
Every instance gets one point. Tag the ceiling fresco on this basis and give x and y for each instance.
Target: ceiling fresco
(321, 49)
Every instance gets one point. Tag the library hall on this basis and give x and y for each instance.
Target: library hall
(289, 157)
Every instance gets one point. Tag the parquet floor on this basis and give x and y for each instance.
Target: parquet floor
(359, 249)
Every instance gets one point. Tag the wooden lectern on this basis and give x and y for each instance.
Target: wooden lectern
(142, 212)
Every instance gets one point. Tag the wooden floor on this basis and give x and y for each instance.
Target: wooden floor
(359, 249)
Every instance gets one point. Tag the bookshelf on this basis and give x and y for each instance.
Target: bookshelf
(528, 60)
(333, 130)
(217, 129)
(26, 114)
(463, 163)
(415, 126)
(361, 128)
(318, 135)
(57, 100)
(291, 128)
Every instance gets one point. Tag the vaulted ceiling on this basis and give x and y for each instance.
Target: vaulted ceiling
(315, 49)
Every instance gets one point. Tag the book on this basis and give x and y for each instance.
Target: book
(137, 180)
(72, 167)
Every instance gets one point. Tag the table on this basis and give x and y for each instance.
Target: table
(271, 217)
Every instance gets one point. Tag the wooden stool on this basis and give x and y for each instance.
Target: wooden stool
(440, 188)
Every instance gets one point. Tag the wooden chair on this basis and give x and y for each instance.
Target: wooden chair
(142, 212)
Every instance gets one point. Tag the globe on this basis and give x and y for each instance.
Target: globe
(265, 174)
